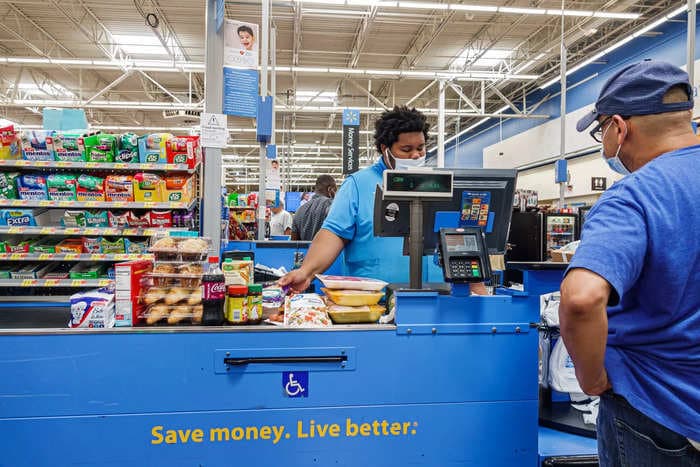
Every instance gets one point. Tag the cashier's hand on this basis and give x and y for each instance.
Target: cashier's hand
(297, 280)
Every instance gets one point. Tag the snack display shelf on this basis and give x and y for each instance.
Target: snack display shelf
(55, 282)
(16, 203)
(97, 166)
(125, 232)
(72, 257)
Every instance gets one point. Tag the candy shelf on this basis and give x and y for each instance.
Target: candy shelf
(72, 257)
(39, 165)
(125, 232)
(81, 283)
(23, 203)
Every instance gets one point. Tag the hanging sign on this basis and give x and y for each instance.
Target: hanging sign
(351, 141)
(240, 68)
(214, 130)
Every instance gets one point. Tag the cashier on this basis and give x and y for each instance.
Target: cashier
(400, 136)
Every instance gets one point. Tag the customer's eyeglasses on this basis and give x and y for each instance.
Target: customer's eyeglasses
(597, 132)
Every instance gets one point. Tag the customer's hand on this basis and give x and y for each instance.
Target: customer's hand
(297, 280)
(598, 387)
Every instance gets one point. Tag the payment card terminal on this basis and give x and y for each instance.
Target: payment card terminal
(464, 255)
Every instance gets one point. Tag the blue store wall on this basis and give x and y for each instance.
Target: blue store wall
(669, 46)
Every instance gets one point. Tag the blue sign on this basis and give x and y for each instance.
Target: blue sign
(240, 92)
(351, 117)
(271, 151)
(220, 14)
(295, 383)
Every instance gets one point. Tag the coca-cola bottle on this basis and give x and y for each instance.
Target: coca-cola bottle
(213, 294)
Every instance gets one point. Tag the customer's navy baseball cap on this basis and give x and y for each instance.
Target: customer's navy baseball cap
(639, 90)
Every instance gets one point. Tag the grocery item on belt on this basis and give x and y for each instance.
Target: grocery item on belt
(100, 147)
(37, 145)
(354, 314)
(161, 219)
(149, 187)
(119, 219)
(119, 188)
(32, 187)
(353, 297)
(96, 218)
(61, 187)
(183, 150)
(351, 283)
(73, 219)
(92, 245)
(128, 148)
(90, 188)
(139, 221)
(70, 245)
(91, 309)
(8, 185)
(10, 143)
(69, 147)
(113, 247)
(152, 148)
(238, 272)
(306, 311)
(135, 247)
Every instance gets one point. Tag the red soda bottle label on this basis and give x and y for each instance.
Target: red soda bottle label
(213, 290)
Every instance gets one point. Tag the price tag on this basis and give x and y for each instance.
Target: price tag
(17, 256)
(51, 282)
(44, 163)
(28, 282)
(149, 204)
(91, 165)
(103, 282)
(18, 202)
(129, 232)
(45, 202)
(90, 204)
(15, 230)
(119, 204)
(65, 204)
(45, 256)
(92, 231)
(47, 230)
(77, 282)
(71, 256)
(120, 166)
(72, 230)
(97, 257)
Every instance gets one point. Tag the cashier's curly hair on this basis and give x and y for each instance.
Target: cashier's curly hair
(399, 120)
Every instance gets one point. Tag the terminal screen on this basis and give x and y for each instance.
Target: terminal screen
(461, 243)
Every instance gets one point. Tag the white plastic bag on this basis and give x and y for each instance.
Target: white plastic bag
(562, 375)
(549, 308)
(544, 346)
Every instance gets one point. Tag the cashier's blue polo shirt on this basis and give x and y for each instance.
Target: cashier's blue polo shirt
(643, 237)
(352, 218)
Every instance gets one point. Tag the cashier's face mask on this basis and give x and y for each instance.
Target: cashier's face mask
(403, 164)
(614, 162)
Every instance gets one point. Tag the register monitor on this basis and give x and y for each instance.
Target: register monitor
(480, 198)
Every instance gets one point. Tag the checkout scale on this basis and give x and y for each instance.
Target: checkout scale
(452, 382)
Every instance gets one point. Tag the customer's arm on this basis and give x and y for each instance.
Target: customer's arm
(584, 327)
(324, 249)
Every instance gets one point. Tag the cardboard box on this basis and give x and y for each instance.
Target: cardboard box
(32, 187)
(152, 148)
(119, 188)
(128, 278)
(149, 188)
(559, 256)
(183, 150)
(90, 188)
(180, 188)
(37, 145)
(69, 147)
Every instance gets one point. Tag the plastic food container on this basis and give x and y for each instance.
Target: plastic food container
(180, 248)
(170, 300)
(355, 314)
(353, 297)
(172, 315)
(351, 283)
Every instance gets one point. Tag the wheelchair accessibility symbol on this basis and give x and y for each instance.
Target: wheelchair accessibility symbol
(295, 383)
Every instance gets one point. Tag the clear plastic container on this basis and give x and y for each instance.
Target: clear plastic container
(355, 314)
(172, 315)
(180, 248)
(352, 283)
(353, 297)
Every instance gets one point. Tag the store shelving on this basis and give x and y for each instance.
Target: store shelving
(14, 164)
(79, 283)
(126, 232)
(23, 203)
(72, 257)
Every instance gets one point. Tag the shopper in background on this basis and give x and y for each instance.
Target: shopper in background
(400, 136)
(640, 257)
(309, 218)
(280, 221)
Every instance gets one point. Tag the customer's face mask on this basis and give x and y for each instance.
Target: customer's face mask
(402, 164)
(614, 162)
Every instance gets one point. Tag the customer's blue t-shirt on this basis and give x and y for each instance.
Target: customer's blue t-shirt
(643, 237)
(352, 218)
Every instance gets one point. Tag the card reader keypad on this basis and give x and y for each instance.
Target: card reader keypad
(465, 268)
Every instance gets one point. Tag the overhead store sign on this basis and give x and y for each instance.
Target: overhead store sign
(351, 141)
(240, 68)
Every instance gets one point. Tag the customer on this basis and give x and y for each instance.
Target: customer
(399, 137)
(309, 217)
(280, 221)
(640, 256)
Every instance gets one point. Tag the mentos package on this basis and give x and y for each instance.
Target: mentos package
(8, 185)
(92, 309)
(10, 143)
(128, 148)
(149, 188)
(69, 147)
(61, 187)
(32, 187)
(100, 148)
(183, 150)
(96, 218)
(37, 145)
(90, 188)
(152, 148)
(119, 188)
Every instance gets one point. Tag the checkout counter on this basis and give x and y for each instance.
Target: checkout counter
(453, 381)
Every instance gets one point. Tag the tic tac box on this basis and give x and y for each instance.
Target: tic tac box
(149, 188)
(37, 145)
(152, 148)
(128, 278)
(183, 150)
(69, 147)
(180, 188)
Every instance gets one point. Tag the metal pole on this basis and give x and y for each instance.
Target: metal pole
(483, 97)
(415, 245)
(263, 92)
(691, 41)
(211, 183)
(441, 126)
(273, 79)
(562, 111)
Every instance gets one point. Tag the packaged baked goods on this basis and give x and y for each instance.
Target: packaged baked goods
(340, 314)
(306, 311)
(351, 283)
(187, 249)
(193, 249)
(353, 297)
